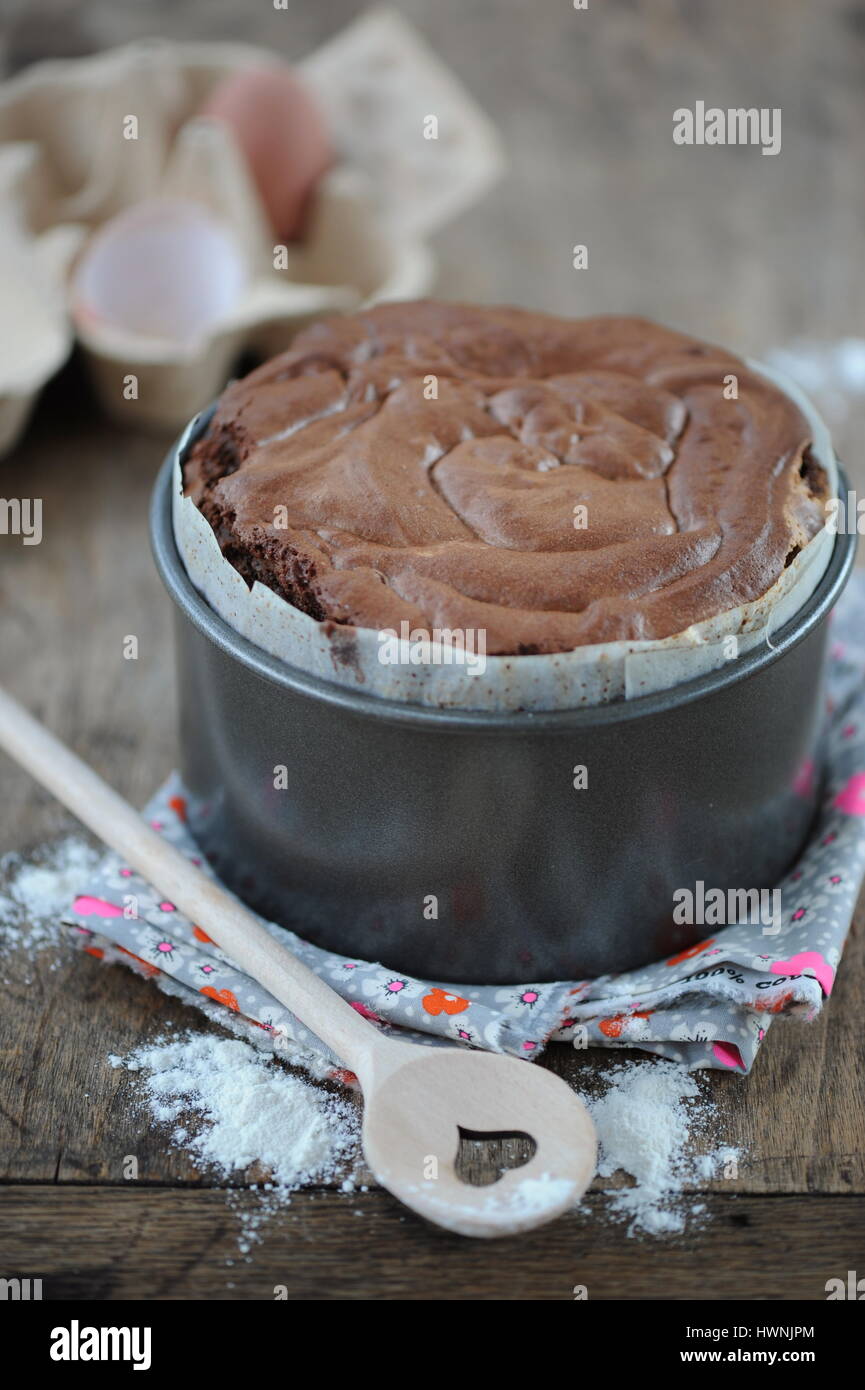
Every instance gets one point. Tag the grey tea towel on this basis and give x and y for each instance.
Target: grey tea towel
(709, 1006)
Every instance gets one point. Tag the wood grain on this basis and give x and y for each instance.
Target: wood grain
(747, 250)
(66, 1115)
(101, 1244)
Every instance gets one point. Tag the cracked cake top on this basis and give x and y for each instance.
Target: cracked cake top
(551, 482)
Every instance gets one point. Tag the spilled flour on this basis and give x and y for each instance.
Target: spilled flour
(648, 1119)
(231, 1106)
(34, 895)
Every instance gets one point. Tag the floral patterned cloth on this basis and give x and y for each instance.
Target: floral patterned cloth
(710, 1006)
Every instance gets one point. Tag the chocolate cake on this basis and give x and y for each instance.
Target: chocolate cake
(552, 482)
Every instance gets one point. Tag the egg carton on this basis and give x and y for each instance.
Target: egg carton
(65, 169)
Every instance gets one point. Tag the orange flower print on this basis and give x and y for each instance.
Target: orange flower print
(438, 1001)
(614, 1027)
(202, 935)
(774, 1006)
(178, 806)
(691, 951)
(222, 996)
(145, 966)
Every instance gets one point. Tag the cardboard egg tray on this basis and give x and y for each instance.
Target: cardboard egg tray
(66, 168)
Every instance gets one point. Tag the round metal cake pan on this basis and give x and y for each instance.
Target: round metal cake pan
(454, 845)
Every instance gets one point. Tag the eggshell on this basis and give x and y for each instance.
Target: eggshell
(282, 133)
(163, 269)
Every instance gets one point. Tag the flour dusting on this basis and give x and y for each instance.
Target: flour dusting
(231, 1106)
(647, 1120)
(34, 893)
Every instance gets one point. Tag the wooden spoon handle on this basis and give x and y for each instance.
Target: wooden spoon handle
(230, 924)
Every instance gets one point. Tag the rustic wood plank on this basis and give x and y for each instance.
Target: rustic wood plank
(66, 1115)
(94, 1243)
(732, 246)
(121, 719)
(799, 1118)
(68, 603)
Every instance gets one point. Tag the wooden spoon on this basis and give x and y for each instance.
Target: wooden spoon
(417, 1099)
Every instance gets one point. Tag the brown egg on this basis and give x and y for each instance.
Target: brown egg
(282, 133)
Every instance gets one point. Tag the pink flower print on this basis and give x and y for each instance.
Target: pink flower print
(803, 783)
(96, 907)
(165, 948)
(384, 993)
(364, 1011)
(807, 962)
(848, 731)
(126, 873)
(728, 1055)
(167, 907)
(798, 914)
(529, 1046)
(514, 997)
(851, 799)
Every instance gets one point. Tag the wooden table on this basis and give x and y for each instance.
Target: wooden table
(737, 247)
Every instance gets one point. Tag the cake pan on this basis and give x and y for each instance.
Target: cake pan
(454, 845)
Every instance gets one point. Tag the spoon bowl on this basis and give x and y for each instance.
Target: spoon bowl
(417, 1099)
(419, 1102)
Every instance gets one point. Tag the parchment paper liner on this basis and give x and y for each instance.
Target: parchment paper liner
(590, 675)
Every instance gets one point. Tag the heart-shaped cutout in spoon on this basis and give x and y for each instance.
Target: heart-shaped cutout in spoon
(417, 1099)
